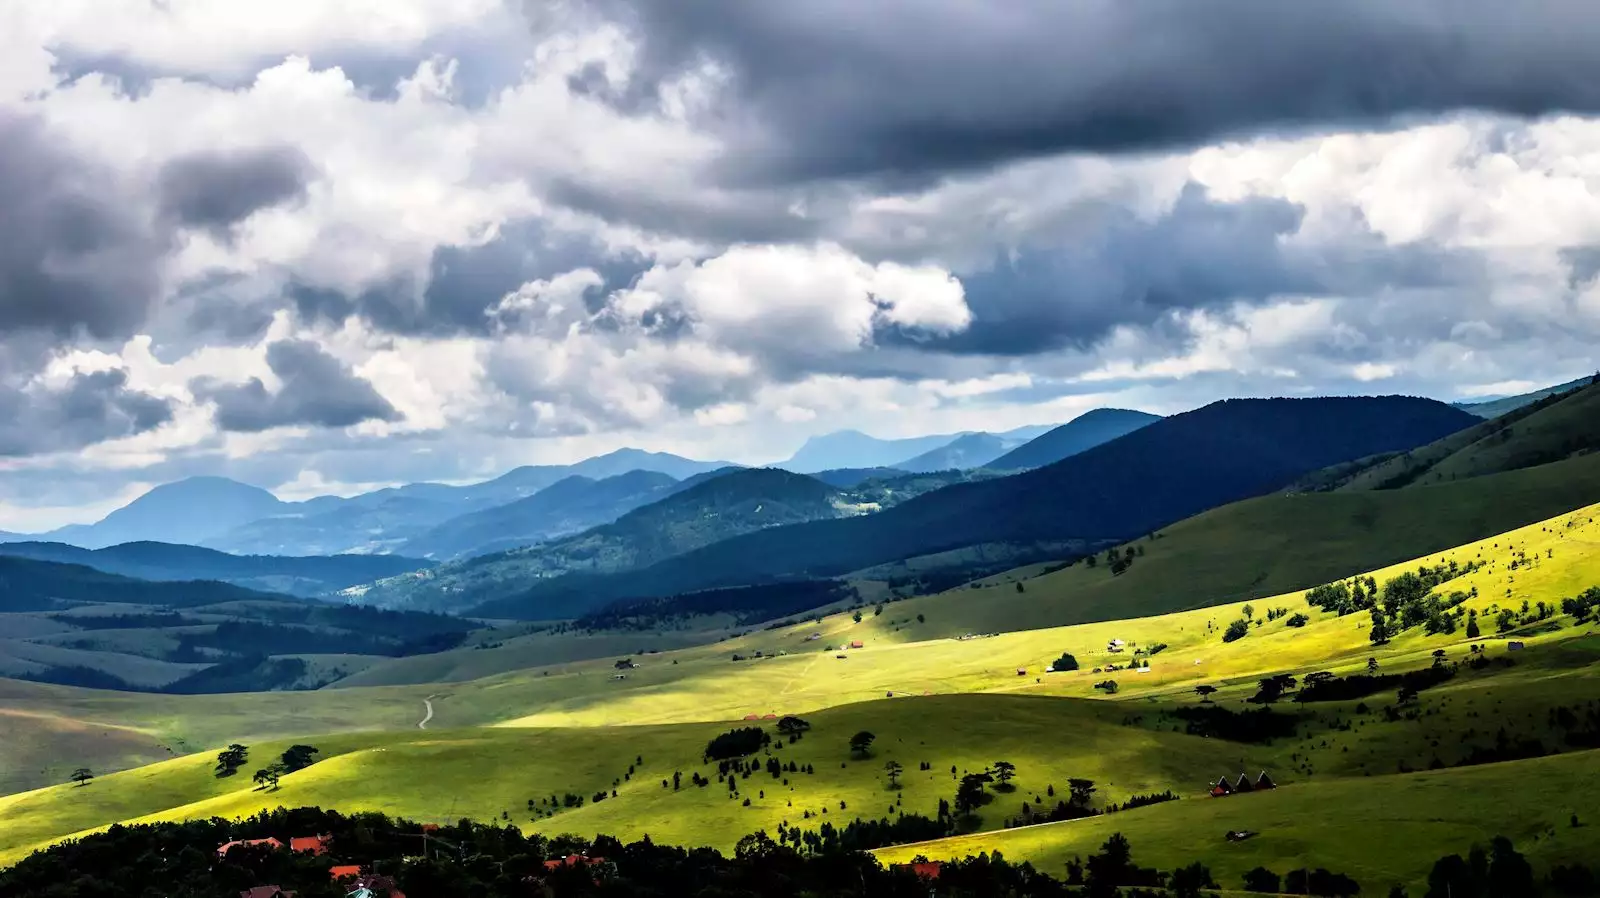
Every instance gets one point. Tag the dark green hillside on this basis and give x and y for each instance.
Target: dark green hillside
(715, 509)
(303, 576)
(1550, 429)
(28, 585)
(566, 506)
(1159, 474)
(1081, 434)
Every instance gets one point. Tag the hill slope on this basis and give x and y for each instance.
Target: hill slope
(186, 511)
(568, 505)
(302, 576)
(715, 509)
(1085, 432)
(1152, 477)
(1494, 408)
(1550, 429)
(973, 450)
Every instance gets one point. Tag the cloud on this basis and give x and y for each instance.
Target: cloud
(88, 408)
(912, 88)
(216, 190)
(76, 252)
(315, 389)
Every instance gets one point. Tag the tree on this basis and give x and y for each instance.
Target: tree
(1472, 626)
(230, 759)
(1081, 791)
(1262, 880)
(1004, 772)
(1205, 692)
(921, 619)
(298, 757)
(1065, 662)
(793, 726)
(268, 776)
(1019, 587)
(1509, 871)
(1372, 665)
(970, 794)
(1237, 630)
(1438, 657)
(1091, 561)
(1452, 876)
(861, 743)
(1249, 611)
(1188, 881)
(82, 776)
(892, 770)
(857, 616)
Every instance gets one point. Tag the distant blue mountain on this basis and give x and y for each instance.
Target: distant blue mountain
(1081, 434)
(186, 511)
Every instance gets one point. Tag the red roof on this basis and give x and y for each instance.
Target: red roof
(430, 827)
(225, 848)
(769, 717)
(572, 860)
(752, 717)
(923, 870)
(347, 871)
(313, 844)
(856, 644)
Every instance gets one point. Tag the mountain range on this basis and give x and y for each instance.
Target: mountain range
(1160, 473)
(846, 449)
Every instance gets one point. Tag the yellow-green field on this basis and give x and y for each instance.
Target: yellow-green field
(496, 742)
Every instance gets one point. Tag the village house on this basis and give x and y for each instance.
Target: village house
(573, 860)
(857, 644)
(927, 870)
(274, 844)
(314, 844)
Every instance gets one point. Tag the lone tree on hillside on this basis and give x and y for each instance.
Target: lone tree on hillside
(1065, 662)
(793, 726)
(861, 743)
(268, 776)
(230, 759)
(298, 757)
(82, 776)
(1004, 772)
(892, 770)
(1205, 692)
(1372, 665)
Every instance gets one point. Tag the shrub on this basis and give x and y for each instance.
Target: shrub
(1237, 630)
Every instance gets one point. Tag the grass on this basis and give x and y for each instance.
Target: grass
(1382, 831)
(572, 727)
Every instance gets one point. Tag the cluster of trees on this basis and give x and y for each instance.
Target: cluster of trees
(737, 743)
(1301, 882)
(494, 861)
(1236, 631)
(1261, 725)
(1065, 663)
(1076, 806)
(1499, 871)
(1323, 686)
(1582, 605)
(1406, 601)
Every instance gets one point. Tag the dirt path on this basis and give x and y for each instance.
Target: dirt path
(428, 704)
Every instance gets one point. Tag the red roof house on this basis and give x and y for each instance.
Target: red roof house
(928, 870)
(752, 717)
(857, 644)
(345, 871)
(274, 844)
(769, 717)
(313, 844)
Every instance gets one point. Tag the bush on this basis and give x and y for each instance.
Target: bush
(1298, 621)
(1065, 662)
(1237, 630)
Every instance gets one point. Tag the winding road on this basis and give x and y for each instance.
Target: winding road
(428, 704)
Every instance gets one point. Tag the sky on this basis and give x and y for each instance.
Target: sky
(326, 247)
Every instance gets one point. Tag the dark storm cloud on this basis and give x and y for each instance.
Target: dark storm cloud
(76, 255)
(464, 282)
(216, 190)
(90, 408)
(912, 88)
(317, 389)
(1124, 270)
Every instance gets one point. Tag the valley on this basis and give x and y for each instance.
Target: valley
(1450, 712)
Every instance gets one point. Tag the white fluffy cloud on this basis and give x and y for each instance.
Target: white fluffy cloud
(514, 237)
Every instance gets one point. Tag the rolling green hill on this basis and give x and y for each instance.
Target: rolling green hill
(577, 729)
(1159, 474)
